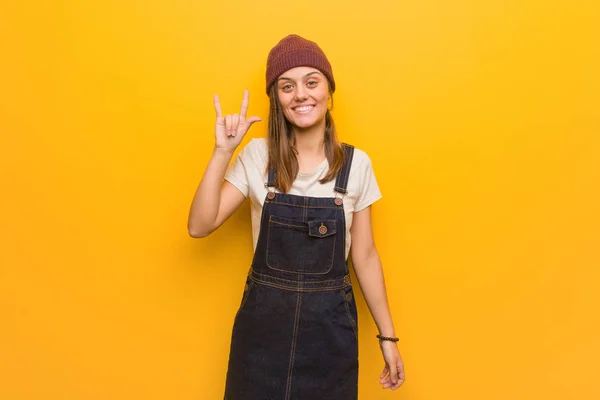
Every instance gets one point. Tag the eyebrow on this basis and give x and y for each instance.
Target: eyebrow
(290, 79)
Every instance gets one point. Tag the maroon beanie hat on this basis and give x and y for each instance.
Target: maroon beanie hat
(294, 51)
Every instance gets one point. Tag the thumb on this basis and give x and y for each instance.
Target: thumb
(252, 120)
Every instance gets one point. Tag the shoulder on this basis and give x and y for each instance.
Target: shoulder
(362, 182)
(360, 160)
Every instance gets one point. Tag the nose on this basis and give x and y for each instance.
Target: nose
(301, 93)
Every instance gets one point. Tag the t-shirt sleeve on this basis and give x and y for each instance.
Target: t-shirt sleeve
(237, 172)
(369, 189)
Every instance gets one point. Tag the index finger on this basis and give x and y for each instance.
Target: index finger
(217, 106)
(244, 108)
(394, 374)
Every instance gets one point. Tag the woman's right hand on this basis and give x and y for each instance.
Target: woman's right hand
(231, 129)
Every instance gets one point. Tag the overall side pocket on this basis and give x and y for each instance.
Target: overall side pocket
(350, 309)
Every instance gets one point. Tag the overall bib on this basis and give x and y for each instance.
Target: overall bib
(295, 333)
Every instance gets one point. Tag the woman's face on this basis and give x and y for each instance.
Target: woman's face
(303, 93)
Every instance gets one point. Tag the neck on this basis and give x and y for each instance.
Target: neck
(310, 141)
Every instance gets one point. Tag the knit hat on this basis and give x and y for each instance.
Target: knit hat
(294, 51)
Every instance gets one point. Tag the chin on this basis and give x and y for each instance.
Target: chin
(306, 124)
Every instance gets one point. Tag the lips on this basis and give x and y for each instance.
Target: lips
(303, 109)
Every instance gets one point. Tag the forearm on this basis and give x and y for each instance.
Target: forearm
(370, 277)
(205, 205)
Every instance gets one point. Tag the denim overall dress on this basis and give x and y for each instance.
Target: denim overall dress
(295, 333)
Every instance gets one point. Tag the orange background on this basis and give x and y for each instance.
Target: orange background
(482, 121)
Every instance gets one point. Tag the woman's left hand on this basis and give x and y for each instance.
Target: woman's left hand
(393, 372)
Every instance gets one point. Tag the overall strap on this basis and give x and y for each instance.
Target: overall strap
(271, 178)
(341, 181)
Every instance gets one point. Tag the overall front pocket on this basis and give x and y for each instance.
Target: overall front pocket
(303, 247)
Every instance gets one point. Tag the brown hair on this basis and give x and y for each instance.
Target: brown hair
(281, 140)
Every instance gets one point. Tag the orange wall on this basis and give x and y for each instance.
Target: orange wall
(482, 121)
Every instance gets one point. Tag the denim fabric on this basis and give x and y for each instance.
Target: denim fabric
(295, 333)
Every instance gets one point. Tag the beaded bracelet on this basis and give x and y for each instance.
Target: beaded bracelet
(391, 339)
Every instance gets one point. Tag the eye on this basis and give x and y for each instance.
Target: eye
(312, 83)
(286, 87)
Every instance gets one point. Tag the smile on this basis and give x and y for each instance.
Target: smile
(303, 109)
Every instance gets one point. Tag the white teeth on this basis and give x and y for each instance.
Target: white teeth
(303, 108)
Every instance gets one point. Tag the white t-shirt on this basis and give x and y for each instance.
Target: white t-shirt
(248, 173)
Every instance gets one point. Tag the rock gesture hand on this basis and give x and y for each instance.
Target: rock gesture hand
(231, 129)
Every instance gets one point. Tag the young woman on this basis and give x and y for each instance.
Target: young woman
(295, 333)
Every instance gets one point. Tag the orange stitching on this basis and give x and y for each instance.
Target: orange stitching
(354, 327)
(295, 205)
(293, 349)
(281, 223)
(288, 280)
(335, 241)
(297, 289)
(305, 216)
(267, 245)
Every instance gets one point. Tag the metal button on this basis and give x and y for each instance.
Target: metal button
(349, 296)
(338, 201)
(271, 195)
(322, 229)
(347, 280)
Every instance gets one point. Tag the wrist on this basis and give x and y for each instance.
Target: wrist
(385, 338)
(223, 152)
